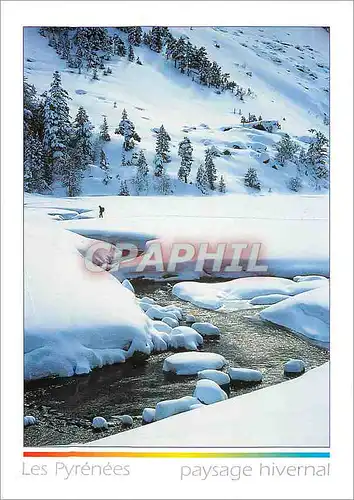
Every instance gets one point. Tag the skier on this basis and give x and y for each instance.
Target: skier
(101, 211)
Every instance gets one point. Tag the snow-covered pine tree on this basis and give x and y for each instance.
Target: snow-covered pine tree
(162, 144)
(104, 134)
(82, 132)
(95, 74)
(185, 151)
(317, 153)
(222, 185)
(163, 183)
(139, 62)
(134, 158)
(243, 120)
(124, 191)
(295, 184)
(159, 166)
(34, 167)
(286, 150)
(131, 55)
(141, 178)
(57, 127)
(104, 164)
(156, 41)
(201, 179)
(119, 47)
(210, 169)
(126, 128)
(69, 164)
(251, 179)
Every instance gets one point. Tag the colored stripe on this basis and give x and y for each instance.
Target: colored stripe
(173, 454)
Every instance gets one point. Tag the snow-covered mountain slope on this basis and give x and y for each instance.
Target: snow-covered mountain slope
(286, 68)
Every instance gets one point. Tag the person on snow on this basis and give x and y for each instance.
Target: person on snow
(101, 212)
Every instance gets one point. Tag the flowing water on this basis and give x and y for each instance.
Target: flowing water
(64, 408)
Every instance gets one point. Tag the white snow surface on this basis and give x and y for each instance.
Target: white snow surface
(190, 363)
(232, 294)
(75, 320)
(273, 298)
(209, 392)
(273, 416)
(306, 313)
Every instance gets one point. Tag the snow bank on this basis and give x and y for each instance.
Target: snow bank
(294, 413)
(232, 293)
(190, 363)
(99, 423)
(171, 407)
(209, 392)
(75, 319)
(306, 313)
(29, 420)
(170, 322)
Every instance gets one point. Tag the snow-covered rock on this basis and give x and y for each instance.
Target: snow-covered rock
(206, 329)
(171, 407)
(161, 326)
(273, 298)
(184, 336)
(190, 318)
(29, 420)
(126, 420)
(209, 392)
(148, 300)
(170, 321)
(99, 423)
(148, 415)
(306, 313)
(294, 366)
(220, 378)
(155, 312)
(245, 375)
(190, 363)
(128, 285)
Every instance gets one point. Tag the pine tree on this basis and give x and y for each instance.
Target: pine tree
(185, 151)
(126, 128)
(104, 164)
(251, 179)
(139, 62)
(210, 169)
(141, 178)
(131, 55)
(162, 144)
(124, 191)
(104, 135)
(317, 153)
(82, 129)
(243, 120)
(295, 184)
(163, 183)
(34, 167)
(222, 185)
(57, 127)
(119, 47)
(201, 179)
(156, 39)
(95, 74)
(286, 150)
(71, 171)
(159, 166)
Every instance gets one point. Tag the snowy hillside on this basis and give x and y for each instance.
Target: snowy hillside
(286, 70)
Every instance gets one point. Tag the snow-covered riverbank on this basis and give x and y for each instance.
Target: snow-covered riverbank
(294, 413)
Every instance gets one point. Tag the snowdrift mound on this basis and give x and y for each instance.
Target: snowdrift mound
(75, 320)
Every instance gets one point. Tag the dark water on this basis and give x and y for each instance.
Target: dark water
(64, 408)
